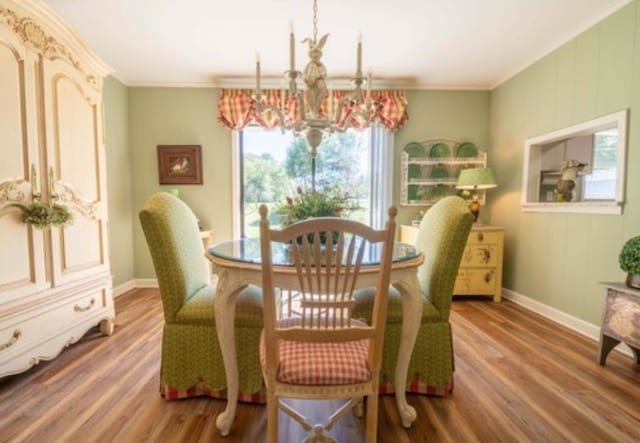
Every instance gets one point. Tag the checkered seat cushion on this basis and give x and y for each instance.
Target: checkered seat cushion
(305, 363)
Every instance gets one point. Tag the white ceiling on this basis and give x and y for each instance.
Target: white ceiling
(475, 44)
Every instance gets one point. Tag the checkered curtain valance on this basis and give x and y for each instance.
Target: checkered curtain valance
(237, 108)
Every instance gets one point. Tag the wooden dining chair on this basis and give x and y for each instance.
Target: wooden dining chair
(324, 353)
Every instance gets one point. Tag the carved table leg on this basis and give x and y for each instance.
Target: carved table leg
(225, 304)
(411, 316)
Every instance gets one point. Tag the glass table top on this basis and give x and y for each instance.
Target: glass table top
(247, 250)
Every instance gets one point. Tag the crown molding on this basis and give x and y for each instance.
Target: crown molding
(276, 83)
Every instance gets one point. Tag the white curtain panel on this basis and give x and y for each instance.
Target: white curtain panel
(381, 174)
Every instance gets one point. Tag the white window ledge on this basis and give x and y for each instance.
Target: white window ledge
(576, 208)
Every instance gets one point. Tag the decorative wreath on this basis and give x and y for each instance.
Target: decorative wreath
(43, 216)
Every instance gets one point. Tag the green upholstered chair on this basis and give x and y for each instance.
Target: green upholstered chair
(442, 237)
(191, 358)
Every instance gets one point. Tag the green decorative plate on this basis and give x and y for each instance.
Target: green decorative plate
(438, 192)
(466, 149)
(415, 171)
(415, 149)
(411, 193)
(439, 172)
(421, 193)
(440, 150)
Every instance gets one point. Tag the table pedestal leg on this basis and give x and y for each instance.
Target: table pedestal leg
(411, 316)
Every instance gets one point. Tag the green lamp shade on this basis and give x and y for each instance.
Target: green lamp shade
(476, 178)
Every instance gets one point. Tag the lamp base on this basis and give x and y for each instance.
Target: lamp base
(474, 207)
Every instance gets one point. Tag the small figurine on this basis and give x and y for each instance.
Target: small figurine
(569, 174)
(315, 74)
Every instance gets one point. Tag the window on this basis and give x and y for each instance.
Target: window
(577, 169)
(272, 165)
(600, 184)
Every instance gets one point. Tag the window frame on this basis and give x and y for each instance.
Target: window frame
(531, 167)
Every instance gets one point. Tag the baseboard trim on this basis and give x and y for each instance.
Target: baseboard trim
(146, 282)
(580, 326)
(124, 287)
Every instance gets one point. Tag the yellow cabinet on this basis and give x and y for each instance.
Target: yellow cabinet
(480, 270)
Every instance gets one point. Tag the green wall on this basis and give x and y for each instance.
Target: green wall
(189, 116)
(179, 116)
(558, 259)
(458, 115)
(118, 181)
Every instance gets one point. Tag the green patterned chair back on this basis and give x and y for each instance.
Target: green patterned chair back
(172, 234)
(442, 237)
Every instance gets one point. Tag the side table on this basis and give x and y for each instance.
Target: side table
(620, 320)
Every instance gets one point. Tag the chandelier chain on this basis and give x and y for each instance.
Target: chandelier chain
(315, 21)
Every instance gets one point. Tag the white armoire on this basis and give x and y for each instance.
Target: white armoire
(55, 284)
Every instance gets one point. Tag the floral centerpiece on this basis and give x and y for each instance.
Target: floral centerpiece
(312, 204)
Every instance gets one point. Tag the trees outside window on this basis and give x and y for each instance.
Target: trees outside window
(274, 165)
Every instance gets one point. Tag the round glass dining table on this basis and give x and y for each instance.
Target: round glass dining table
(237, 264)
(247, 250)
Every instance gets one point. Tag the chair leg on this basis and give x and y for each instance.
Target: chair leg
(359, 408)
(372, 417)
(272, 418)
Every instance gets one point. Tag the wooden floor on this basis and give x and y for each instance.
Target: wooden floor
(518, 378)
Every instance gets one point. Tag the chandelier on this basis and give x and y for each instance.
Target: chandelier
(315, 118)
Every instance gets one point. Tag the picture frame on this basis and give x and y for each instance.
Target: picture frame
(180, 164)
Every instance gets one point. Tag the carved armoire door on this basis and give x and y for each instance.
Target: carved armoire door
(75, 160)
(22, 258)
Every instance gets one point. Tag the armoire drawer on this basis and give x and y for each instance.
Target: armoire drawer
(38, 325)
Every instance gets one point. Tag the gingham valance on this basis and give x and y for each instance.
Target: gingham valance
(237, 108)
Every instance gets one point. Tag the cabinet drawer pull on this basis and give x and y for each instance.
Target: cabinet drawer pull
(488, 276)
(480, 236)
(16, 335)
(78, 308)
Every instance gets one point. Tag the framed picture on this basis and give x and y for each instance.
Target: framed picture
(180, 164)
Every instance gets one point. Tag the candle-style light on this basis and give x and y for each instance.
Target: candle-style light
(258, 74)
(369, 77)
(359, 64)
(292, 49)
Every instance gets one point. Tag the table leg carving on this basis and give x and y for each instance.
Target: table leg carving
(225, 305)
(411, 299)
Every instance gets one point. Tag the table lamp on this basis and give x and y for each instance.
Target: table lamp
(476, 178)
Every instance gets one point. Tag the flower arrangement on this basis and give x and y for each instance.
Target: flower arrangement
(312, 204)
(43, 216)
(629, 260)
